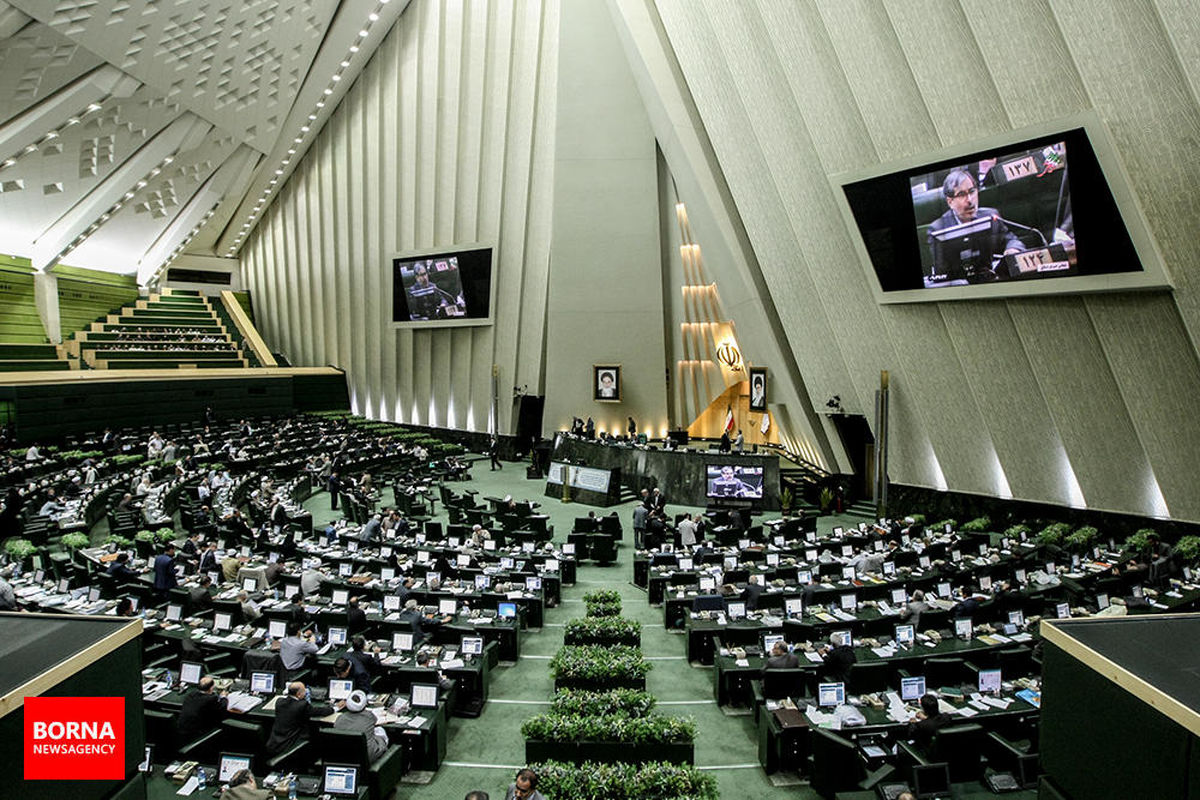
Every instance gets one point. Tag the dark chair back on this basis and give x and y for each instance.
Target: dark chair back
(943, 672)
(836, 766)
(961, 747)
(868, 677)
(780, 683)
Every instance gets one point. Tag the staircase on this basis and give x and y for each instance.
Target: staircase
(173, 329)
(17, 357)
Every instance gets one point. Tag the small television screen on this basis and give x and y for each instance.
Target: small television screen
(708, 583)
(341, 779)
(174, 612)
(340, 597)
(391, 602)
(793, 606)
(736, 609)
(831, 694)
(448, 605)
(1063, 611)
(843, 638)
(387, 573)
(963, 628)
(899, 596)
(190, 673)
(402, 642)
(444, 288)
(262, 682)
(222, 621)
(424, 695)
(1016, 618)
(249, 584)
(1101, 601)
(848, 603)
(728, 480)
(769, 642)
(1040, 211)
(912, 689)
(231, 764)
(533, 583)
(482, 582)
(506, 610)
(472, 645)
(340, 689)
(277, 629)
(989, 680)
(905, 634)
(337, 636)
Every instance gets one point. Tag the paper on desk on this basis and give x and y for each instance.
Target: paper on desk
(965, 711)
(742, 662)
(996, 702)
(820, 717)
(189, 786)
(416, 721)
(813, 657)
(453, 663)
(883, 652)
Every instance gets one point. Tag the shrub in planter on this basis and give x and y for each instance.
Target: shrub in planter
(603, 630)
(603, 596)
(1189, 549)
(647, 781)
(1015, 532)
(74, 541)
(149, 537)
(627, 702)
(1053, 534)
(599, 664)
(164, 535)
(119, 541)
(610, 728)
(19, 549)
(1139, 542)
(940, 526)
(918, 519)
(978, 525)
(1083, 538)
(603, 603)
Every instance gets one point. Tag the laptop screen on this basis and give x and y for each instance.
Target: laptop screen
(989, 680)
(337, 636)
(448, 605)
(507, 610)
(904, 634)
(402, 642)
(472, 645)
(262, 682)
(277, 629)
(232, 764)
(912, 689)
(190, 673)
(793, 606)
(340, 597)
(831, 694)
(341, 779)
(340, 689)
(424, 695)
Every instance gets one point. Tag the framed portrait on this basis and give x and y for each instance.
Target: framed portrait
(758, 388)
(606, 383)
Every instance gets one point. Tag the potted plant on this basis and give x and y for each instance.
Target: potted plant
(595, 667)
(1188, 548)
(116, 542)
(144, 541)
(1019, 532)
(1138, 543)
(1083, 539)
(785, 500)
(19, 550)
(825, 499)
(75, 540)
(164, 535)
(1053, 534)
(648, 781)
(978, 525)
(603, 630)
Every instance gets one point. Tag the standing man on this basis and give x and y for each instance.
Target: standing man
(739, 443)
(494, 453)
(164, 571)
(334, 485)
(687, 532)
(640, 512)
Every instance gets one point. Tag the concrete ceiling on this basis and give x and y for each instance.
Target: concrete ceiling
(132, 131)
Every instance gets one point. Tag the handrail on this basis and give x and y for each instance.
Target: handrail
(247, 329)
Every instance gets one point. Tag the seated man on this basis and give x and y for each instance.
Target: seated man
(444, 683)
(839, 657)
(368, 665)
(120, 570)
(201, 712)
(962, 197)
(292, 714)
(355, 717)
(199, 598)
(244, 786)
(524, 787)
(929, 721)
(250, 609)
(780, 658)
(349, 669)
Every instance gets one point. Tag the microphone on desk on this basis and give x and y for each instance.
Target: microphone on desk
(1019, 226)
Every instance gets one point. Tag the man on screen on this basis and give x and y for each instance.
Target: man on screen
(427, 301)
(728, 485)
(962, 196)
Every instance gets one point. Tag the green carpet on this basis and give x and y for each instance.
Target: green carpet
(483, 753)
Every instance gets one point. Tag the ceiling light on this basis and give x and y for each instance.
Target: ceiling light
(363, 32)
(345, 63)
(30, 148)
(278, 172)
(141, 184)
(312, 116)
(298, 139)
(291, 151)
(372, 16)
(73, 121)
(329, 91)
(50, 135)
(337, 77)
(320, 104)
(93, 107)
(353, 48)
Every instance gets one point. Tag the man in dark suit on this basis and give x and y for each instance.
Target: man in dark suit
(292, 715)
(201, 712)
(199, 598)
(164, 571)
(781, 659)
(364, 665)
(120, 570)
(209, 559)
(929, 721)
(752, 591)
(334, 485)
(839, 657)
(356, 618)
(962, 196)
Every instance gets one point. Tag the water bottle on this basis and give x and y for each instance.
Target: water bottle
(201, 779)
(292, 788)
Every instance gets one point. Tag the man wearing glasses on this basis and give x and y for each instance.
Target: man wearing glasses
(962, 196)
(524, 787)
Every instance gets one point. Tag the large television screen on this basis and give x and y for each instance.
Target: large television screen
(729, 480)
(443, 288)
(1029, 213)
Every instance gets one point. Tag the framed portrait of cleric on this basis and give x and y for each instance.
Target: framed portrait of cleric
(758, 388)
(606, 383)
